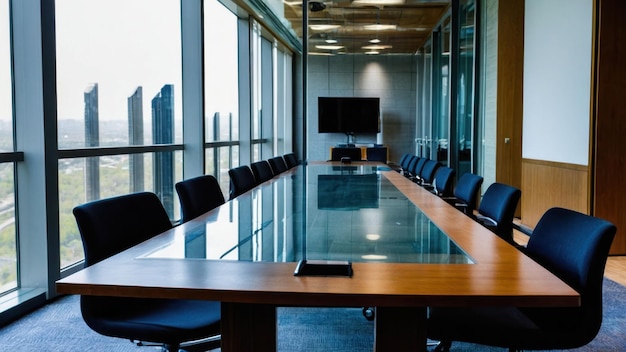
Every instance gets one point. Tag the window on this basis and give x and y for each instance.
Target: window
(120, 87)
(8, 236)
(221, 91)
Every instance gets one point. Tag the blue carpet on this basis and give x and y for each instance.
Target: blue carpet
(59, 327)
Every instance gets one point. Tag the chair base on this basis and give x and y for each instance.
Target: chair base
(201, 345)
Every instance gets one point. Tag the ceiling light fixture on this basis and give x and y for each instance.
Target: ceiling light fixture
(372, 52)
(324, 27)
(374, 257)
(380, 27)
(374, 41)
(329, 47)
(331, 41)
(376, 47)
(372, 236)
(316, 53)
(378, 2)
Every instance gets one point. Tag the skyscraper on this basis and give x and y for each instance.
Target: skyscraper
(92, 139)
(135, 137)
(163, 133)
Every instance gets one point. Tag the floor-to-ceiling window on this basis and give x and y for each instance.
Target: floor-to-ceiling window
(120, 88)
(92, 106)
(8, 234)
(283, 135)
(221, 91)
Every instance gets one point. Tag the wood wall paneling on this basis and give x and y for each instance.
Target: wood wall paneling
(548, 184)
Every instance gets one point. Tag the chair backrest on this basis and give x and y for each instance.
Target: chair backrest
(466, 190)
(499, 203)
(376, 154)
(404, 160)
(109, 226)
(353, 153)
(278, 164)
(418, 167)
(241, 180)
(443, 181)
(574, 247)
(410, 166)
(291, 160)
(198, 195)
(428, 171)
(262, 171)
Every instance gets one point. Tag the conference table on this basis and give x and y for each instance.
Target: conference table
(407, 249)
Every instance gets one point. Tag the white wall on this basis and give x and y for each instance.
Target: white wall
(557, 80)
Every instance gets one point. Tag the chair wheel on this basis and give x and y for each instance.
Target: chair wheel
(368, 313)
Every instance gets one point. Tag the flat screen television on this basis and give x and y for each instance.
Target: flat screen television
(348, 115)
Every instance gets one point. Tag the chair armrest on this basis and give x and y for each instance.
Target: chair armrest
(523, 229)
(486, 221)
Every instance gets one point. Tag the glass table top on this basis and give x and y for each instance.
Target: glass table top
(318, 212)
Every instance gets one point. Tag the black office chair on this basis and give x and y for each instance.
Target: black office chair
(465, 195)
(497, 209)
(443, 182)
(427, 174)
(403, 163)
(291, 160)
(262, 171)
(406, 164)
(198, 195)
(353, 153)
(241, 180)
(110, 226)
(416, 169)
(571, 245)
(376, 154)
(278, 164)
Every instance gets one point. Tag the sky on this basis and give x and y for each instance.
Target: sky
(5, 60)
(123, 44)
(141, 47)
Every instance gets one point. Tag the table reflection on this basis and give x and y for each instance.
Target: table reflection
(317, 212)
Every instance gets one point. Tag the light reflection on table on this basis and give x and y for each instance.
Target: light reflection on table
(317, 212)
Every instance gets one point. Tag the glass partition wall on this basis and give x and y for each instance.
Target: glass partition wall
(466, 88)
(447, 67)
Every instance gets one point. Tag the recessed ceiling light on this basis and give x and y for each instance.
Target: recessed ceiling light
(376, 47)
(372, 236)
(372, 52)
(329, 47)
(374, 257)
(324, 27)
(380, 27)
(317, 53)
(331, 41)
(374, 41)
(378, 2)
